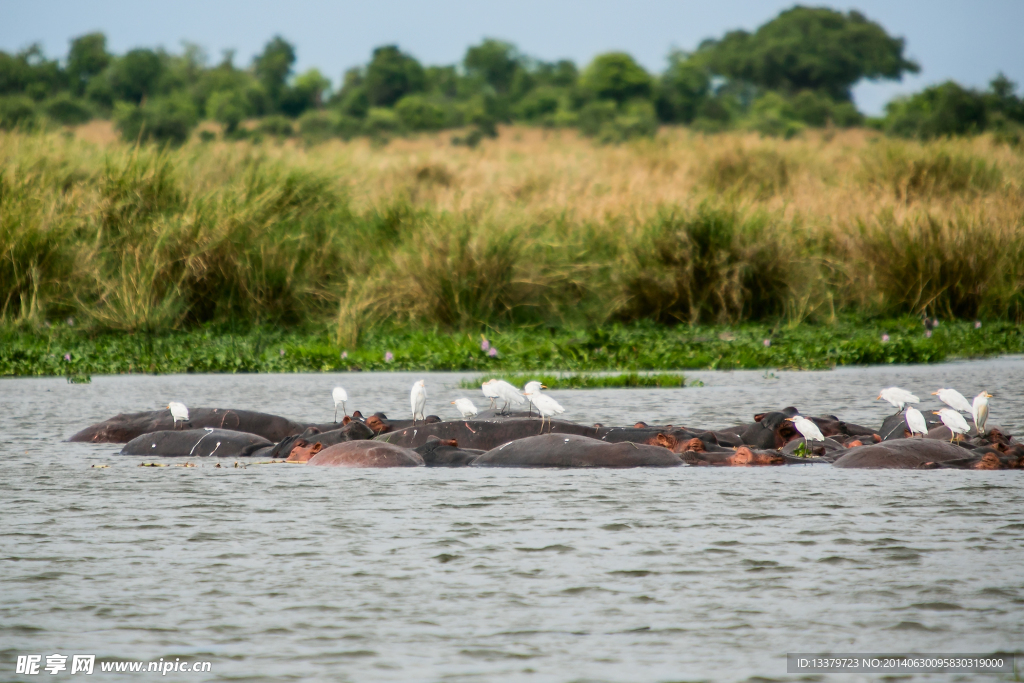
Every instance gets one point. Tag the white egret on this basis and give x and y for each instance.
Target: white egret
(915, 421)
(899, 398)
(954, 399)
(179, 412)
(954, 420)
(545, 405)
(490, 391)
(508, 393)
(418, 400)
(340, 396)
(465, 406)
(979, 411)
(807, 429)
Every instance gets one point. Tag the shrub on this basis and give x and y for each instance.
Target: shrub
(68, 110)
(381, 123)
(932, 171)
(418, 113)
(711, 266)
(162, 120)
(762, 172)
(277, 125)
(16, 110)
(945, 109)
(227, 107)
(318, 126)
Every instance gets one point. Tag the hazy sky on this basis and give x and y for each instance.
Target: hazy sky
(965, 41)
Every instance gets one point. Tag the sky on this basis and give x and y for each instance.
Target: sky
(967, 41)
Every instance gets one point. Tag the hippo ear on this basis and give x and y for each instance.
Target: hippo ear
(639, 425)
(357, 415)
(759, 417)
(346, 420)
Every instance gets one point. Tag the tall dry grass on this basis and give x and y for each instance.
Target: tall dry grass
(536, 227)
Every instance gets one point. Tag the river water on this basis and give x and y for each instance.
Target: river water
(282, 573)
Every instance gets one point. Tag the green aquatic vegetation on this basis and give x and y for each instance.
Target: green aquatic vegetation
(64, 350)
(628, 380)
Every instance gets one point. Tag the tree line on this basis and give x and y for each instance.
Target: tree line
(793, 72)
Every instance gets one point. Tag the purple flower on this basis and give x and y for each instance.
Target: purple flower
(344, 355)
(928, 334)
(71, 322)
(977, 324)
(885, 338)
(767, 343)
(935, 323)
(493, 352)
(67, 357)
(282, 353)
(484, 345)
(388, 357)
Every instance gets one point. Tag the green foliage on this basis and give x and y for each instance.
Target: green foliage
(319, 126)
(933, 171)
(273, 66)
(637, 348)
(418, 113)
(945, 109)
(391, 75)
(162, 120)
(682, 89)
(277, 125)
(68, 110)
(381, 123)
(227, 107)
(16, 110)
(306, 92)
(708, 266)
(495, 62)
(807, 48)
(134, 76)
(87, 58)
(762, 172)
(616, 76)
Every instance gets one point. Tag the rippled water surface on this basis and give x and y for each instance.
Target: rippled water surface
(282, 572)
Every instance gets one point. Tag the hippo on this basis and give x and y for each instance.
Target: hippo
(126, 426)
(446, 453)
(381, 424)
(573, 450)
(741, 457)
(829, 449)
(195, 443)
(353, 431)
(895, 426)
(366, 454)
(982, 459)
(769, 430)
(900, 454)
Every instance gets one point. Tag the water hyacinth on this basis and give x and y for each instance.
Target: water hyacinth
(885, 338)
(344, 355)
(492, 352)
(282, 353)
(977, 324)
(767, 343)
(388, 357)
(67, 357)
(484, 344)
(928, 334)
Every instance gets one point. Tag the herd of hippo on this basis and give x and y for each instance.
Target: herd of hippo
(493, 439)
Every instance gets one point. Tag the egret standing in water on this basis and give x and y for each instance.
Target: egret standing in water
(807, 429)
(545, 405)
(979, 411)
(954, 420)
(954, 399)
(340, 396)
(899, 398)
(489, 391)
(915, 421)
(418, 400)
(465, 407)
(179, 413)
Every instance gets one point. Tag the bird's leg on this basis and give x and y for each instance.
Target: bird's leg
(343, 409)
(335, 412)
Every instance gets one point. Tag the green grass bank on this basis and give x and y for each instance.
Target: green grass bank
(63, 350)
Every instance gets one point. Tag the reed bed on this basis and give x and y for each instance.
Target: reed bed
(542, 229)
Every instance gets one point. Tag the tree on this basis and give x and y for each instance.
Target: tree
(87, 58)
(944, 109)
(391, 75)
(273, 67)
(616, 76)
(682, 89)
(305, 93)
(495, 61)
(807, 48)
(135, 76)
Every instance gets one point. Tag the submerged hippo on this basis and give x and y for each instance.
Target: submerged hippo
(741, 457)
(195, 443)
(126, 426)
(366, 454)
(900, 454)
(353, 431)
(488, 434)
(438, 453)
(571, 450)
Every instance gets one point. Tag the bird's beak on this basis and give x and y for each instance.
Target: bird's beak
(988, 395)
(935, 412)
(877, 398)
(542, 386)
(935, 393)
(453, 402)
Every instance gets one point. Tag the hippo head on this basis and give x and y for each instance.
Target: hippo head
(377, 425)
(695, 445)
(302, 451)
